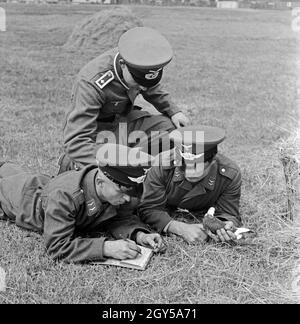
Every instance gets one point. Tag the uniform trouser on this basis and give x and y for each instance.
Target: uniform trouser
(155, 128)
(7, 169)
(20, 193)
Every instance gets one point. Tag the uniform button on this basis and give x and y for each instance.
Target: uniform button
(223, 170)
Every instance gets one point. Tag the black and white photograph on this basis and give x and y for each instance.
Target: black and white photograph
(149, 155)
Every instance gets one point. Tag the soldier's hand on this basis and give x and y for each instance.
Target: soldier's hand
(225, 234)
(180, 120)
(153, 240)
(121, 249)
(191, 233)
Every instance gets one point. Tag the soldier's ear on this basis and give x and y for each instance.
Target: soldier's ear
(100, 179)
(122, 63)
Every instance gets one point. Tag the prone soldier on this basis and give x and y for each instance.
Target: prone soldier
(197, 179)
(69, 208)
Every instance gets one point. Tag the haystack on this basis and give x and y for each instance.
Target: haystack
(102, 31)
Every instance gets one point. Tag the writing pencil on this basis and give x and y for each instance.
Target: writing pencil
(139, 252)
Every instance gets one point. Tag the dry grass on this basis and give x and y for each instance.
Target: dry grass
(236, 69)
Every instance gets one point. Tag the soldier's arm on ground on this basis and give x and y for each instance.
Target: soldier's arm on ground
(80, 130)
(228, 204)
(59, 232)
(161, 100)
(126, 223)
(152, 208)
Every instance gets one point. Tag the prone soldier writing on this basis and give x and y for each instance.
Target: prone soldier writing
(67, 209)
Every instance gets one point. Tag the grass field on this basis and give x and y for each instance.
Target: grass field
(234, 69)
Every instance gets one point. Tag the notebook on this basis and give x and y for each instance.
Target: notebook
(139, 263)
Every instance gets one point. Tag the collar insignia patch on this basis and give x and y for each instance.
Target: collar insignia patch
(178, 175)
(105, 79)
(91, 207)
(211, 181)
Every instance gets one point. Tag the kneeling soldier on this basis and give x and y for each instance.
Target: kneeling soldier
(198, 178)
(67, 208)
(105, 91)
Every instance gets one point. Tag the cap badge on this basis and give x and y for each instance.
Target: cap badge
(191, 156)
(137, 180)
(152, 74)
(187, 147)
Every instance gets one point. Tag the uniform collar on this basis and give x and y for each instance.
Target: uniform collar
(118, 71)
(131, 92)
(92, 201)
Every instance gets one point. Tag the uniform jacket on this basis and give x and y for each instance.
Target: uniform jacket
(166, 188)
(98, 95)
(64, 209)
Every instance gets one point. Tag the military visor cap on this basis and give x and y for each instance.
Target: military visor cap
(123, 165)
(145, 52)
(197, 142)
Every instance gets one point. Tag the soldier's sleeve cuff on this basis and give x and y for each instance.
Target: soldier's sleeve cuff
(97, 249)
(173, 112)
(163, 223)
(233, 219)
(166, 228)
(134, 233)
